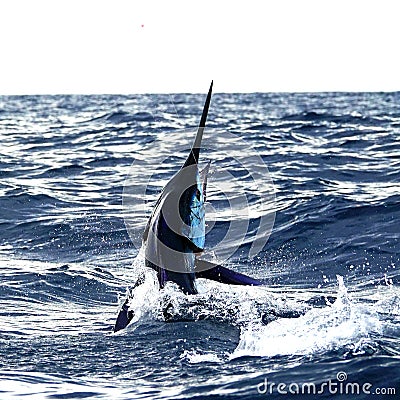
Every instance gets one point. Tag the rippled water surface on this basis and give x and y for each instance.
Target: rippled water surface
(66, 257)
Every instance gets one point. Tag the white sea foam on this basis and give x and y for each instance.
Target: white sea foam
(346, 322)
(194, 357)
(320, 329)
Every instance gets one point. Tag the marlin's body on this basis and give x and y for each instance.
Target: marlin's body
(175, 233)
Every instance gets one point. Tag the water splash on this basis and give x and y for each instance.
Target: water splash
(320, 329)
(237, 305)
(197, 356)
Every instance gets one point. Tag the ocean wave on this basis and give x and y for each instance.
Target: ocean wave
(66, 258)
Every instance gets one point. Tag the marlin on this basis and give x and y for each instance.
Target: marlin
(175, 233)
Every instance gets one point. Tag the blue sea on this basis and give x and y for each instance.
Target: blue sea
(331, 185)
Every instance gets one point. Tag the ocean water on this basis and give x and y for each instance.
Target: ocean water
(67, 258)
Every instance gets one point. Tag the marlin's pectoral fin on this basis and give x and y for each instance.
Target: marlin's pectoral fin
(222, 274)
(203, 178)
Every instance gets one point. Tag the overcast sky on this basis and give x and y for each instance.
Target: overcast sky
(147, 46)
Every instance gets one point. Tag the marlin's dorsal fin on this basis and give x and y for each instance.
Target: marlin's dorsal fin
(193, 157)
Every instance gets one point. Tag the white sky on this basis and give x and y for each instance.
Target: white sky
(147, 46)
